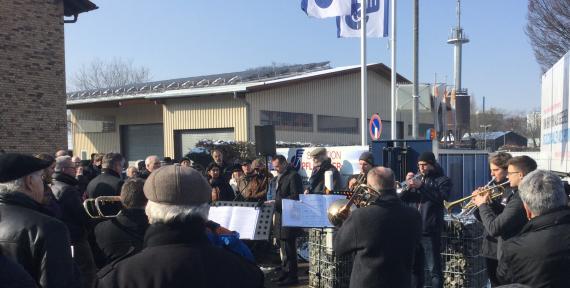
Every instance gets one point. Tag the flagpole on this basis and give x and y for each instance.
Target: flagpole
(393, 75)
(363, 76)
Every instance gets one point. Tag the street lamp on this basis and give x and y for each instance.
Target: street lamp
(485, 135)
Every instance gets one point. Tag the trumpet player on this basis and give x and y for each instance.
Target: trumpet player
(388, 233)
(509, 222)
(428, 194)
(366, 163)
(498, 164)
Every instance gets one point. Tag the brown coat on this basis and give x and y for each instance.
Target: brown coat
(253, 187)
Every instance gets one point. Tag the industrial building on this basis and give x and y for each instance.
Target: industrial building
(310, 103)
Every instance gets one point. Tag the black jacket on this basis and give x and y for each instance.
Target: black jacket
(68, 196)
(226, 191)
(117, 236)
(489, 245)
(317, 180)
(383, 237)
(429, 199)
(13, 275)
(38, 242)
(289, 186)
(540, 255)
(504, 225)
(109, 183)
(179, 255)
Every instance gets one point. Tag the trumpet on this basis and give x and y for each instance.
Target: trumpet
(95, 206)
(404, 184)
(495, 190)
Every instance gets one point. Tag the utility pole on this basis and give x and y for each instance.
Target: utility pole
(415, 72)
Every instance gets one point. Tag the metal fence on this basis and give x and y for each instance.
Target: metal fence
(326, 269)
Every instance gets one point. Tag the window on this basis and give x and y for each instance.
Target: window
(287, 120)
(337, 124)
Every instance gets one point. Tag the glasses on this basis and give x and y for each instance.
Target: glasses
(514, 172)
(422, 165)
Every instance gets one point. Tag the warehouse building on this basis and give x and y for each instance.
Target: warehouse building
(310, 103)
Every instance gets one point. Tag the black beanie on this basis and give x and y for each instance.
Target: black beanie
(427, 157)
(367, 157)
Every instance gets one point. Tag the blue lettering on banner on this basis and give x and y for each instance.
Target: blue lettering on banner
(323, 3)
(560, 136)
(296, 159)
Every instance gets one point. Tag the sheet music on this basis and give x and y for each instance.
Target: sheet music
(240, 219)
(310, 211)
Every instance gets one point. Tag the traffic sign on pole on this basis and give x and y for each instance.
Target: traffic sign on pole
(375, 127)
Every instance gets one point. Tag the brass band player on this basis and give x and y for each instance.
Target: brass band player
(366, 163)
(428, 195)
(498, 165)
(513, 217)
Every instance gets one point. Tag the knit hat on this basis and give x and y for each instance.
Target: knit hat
(427, 157)
(177, 185)
(367, 157)
(14, 166)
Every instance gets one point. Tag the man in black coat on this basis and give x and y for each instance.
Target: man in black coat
(109, 182)
(125, 233)
(427, 193)
(288, 186)
(510, 222)
(321, 164)
(28, 235)
(67, 194)
(539, 256)
(176, 251)
(382, 236)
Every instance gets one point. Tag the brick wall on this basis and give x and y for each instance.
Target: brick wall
(32, 76)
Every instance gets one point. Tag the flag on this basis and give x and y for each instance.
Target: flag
(326, 8)
(376, 20)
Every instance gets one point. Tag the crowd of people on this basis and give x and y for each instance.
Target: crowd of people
(154, 231)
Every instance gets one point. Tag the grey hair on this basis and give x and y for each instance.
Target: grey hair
(150, 158)
(60, 163)
(165, 213)
(542, 192)
(12, 186)
(383, 178)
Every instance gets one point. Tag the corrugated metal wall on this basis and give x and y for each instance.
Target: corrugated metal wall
(467, 171)
(215, 111)
(93, 142)
(336, 96)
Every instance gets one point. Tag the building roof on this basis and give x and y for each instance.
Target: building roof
(489, 135)
(236, 82)
(74, 7)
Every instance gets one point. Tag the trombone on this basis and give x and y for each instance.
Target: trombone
(95, 206)
(496, 191)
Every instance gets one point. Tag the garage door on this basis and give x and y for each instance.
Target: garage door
(187, 139)
(140, 141)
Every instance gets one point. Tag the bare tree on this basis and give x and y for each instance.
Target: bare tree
(115, 73)
(533, 128)
(548, 28)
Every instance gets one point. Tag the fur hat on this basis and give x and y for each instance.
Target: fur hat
(177, 185)
(14, 166)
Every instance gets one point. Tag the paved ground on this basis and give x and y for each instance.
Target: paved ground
(268, 259)
(303, 276)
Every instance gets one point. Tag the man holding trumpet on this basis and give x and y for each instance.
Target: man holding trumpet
(503, 223)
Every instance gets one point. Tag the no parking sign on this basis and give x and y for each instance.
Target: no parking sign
(375, 127)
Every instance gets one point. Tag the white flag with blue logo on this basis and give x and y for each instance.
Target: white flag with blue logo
(326, 8)
(376, 20)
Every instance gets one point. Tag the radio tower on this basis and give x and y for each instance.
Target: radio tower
(458, 39)
(460, 101)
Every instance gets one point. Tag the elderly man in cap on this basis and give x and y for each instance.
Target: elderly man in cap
(321, 164)
(177, 252)
(253, 185)
(37, 241)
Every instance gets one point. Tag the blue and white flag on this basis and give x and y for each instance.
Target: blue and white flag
(326, 8)
(376, 20)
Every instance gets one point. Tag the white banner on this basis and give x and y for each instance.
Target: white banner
(376, 20)
(344, 158)
(326, 8)
(554, 115)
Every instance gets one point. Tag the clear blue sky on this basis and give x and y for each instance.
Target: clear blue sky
(181, 38)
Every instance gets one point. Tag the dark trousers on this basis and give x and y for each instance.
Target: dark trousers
(492, 271)
(418, 270)
(289, 257)
(432, 250)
